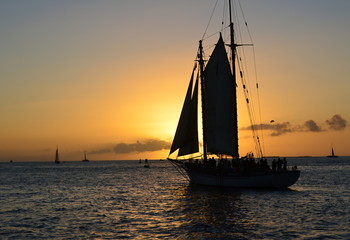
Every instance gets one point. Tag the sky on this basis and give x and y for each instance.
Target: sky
(109, 77)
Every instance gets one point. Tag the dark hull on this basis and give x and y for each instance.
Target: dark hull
(267, 179)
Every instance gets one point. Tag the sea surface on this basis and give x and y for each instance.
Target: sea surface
(124, 200)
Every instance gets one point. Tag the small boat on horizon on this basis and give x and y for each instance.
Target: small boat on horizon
(146, 164)
(57, 160)
(85, 159)
(332, 154)
(218, 162)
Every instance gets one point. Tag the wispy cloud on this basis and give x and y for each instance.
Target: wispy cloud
(149, 145)
(335, 123)
(100, 151)
(276, 128)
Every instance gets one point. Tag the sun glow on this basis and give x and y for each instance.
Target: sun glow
(87, 76)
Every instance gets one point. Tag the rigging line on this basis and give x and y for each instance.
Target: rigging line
(244, 66)
(246, 81)
(211, 16)
(255, 72)
(259, 103)
(180, 171)
(247, 101)
(205, 38)
(247, 95)
(224, 12)
(209, 46)
(238, 32)
(250, 110)
(245, 21)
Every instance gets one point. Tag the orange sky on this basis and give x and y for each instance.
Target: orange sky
(94, 75)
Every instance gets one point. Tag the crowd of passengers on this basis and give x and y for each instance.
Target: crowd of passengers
(238, 165)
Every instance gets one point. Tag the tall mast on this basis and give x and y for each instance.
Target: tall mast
(201, 69)
(233, 66)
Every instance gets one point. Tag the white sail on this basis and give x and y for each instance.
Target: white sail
(220, 104)
(186, 136)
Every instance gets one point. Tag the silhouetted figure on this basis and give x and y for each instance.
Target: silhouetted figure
(274, 164)
(284, 164)
(279, 164)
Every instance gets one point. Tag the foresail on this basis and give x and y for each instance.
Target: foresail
(186, 136)
(220, 102)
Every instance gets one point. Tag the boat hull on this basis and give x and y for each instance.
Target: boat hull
(280, 179)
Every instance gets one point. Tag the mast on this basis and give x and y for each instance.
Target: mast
(233, 66)
(201, 69)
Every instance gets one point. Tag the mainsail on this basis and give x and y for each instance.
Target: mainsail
(186, 136)
(219, 110)
(220, 104)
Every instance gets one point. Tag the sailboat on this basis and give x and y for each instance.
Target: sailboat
(85, 159)
(219, 163)
(332, 155)
(146, 164)
(57, 160)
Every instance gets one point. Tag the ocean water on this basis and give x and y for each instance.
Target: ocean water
(124, 200)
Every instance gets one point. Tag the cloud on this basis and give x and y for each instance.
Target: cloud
(281, 128)
(337, 123)
(277, 129)
(312, 126)
(148, 145)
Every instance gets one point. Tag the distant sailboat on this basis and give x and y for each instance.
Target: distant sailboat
(85, 159)
(146, 164)
(217, 80)
(57, 160)
(332, 155)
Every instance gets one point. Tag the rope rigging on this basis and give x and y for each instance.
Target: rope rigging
(255, 71)
(242, 66)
